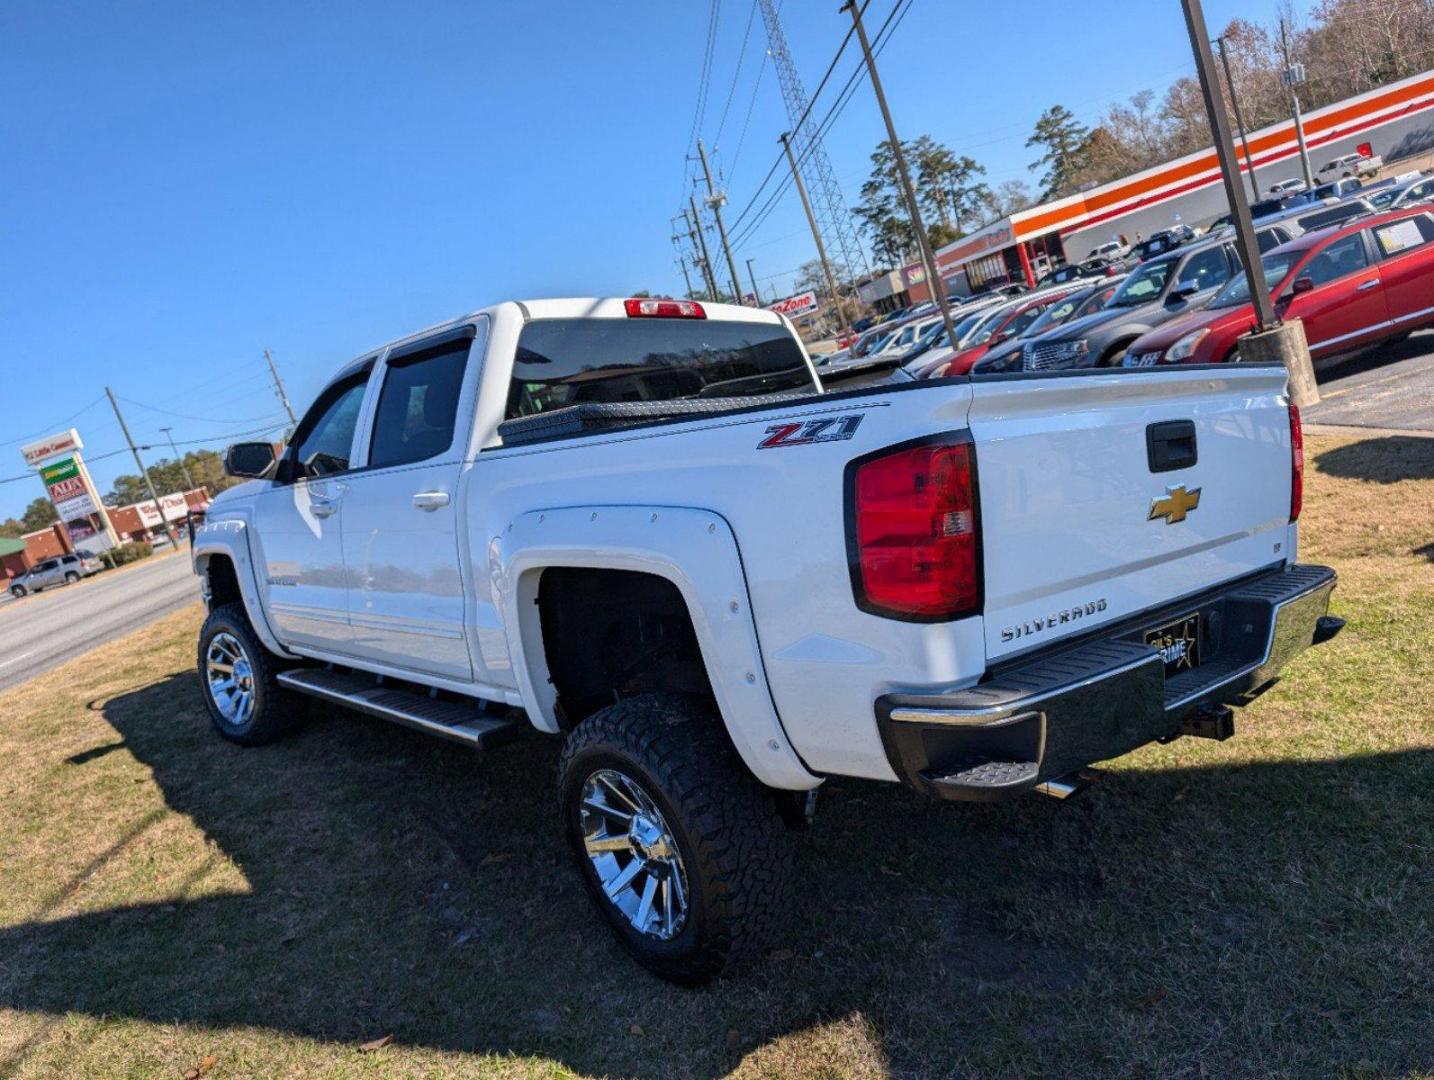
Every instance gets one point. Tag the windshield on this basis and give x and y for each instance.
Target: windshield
(1056, 313)
(1276, 267)
(969, 331)
(1383, 199)
(1145, 285)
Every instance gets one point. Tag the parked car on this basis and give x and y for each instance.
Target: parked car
(60, 570)
(973, 323)
(641, 528)
(1409, 193)
(1338, 189)
(1064, 275)
(1163, 241)
(1111, 249)
(1352, 287)
(1351, 165)
(1336, 214)
(1013, 320)
(1288, 187)
(1076, 305)
(1156, 292)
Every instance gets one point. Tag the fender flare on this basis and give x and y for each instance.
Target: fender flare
(229, 537)
(697, 552)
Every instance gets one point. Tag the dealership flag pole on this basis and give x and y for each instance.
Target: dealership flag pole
(934, 283)
(143, 472)
(1271, 339)
(816, 235)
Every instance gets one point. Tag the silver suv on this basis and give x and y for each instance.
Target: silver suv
(57, 571)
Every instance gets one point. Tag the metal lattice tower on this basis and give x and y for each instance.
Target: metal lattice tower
(834, 221)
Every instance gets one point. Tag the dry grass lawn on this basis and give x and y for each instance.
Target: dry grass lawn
(1258, 908)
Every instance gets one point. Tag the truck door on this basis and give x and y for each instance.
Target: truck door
(297, 521)
(400, 525)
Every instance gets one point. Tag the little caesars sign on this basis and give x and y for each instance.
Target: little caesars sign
(57, 459)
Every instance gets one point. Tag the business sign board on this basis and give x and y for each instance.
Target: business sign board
(68, 488)
(52, 446)
(795, 305)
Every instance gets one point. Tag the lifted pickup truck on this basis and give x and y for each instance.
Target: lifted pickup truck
(646, 528)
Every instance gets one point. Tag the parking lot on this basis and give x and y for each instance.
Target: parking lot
(1391, 387)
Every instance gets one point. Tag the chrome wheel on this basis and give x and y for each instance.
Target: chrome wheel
(634, 855)
(231, 678)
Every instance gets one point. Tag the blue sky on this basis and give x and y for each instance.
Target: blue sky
(185, 184)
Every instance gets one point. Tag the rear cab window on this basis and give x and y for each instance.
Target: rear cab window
(562, 362)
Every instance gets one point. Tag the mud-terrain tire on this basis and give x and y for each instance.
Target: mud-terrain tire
(694, 799)
(227, 639)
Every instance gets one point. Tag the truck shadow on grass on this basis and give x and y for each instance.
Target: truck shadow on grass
(1388, 459)
(1255, 919)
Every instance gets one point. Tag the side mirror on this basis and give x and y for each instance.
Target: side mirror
(1181, 292)
(1302, 285)
(1003, 336)
(252, 460)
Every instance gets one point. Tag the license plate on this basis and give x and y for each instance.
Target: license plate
(1178, 642)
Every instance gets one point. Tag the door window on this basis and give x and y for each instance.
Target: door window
(325, 439)
(418, 406)
(1344, 256)
(1400, 236)
(1205, 270)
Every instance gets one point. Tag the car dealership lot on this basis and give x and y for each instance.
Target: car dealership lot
(40, 631)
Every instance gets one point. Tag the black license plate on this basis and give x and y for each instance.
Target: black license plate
(1178, 642)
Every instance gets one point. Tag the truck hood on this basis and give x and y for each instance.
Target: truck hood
(239, 493)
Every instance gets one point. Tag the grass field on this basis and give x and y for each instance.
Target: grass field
(1264, 907)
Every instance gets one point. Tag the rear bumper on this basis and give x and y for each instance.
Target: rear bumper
(1056, 712)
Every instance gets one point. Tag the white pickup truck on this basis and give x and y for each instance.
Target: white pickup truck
(646, 528)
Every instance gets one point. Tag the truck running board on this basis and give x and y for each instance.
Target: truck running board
(462, 722)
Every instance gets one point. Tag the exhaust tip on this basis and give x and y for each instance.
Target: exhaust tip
(1068, 786)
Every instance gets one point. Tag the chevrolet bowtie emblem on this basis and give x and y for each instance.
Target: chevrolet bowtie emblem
(1175, 504)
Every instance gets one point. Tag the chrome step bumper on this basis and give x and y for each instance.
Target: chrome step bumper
(1074, 705)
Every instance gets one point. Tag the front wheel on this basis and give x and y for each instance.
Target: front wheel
(18, 591)
(679, 846)
(71, 578)
(239, 680)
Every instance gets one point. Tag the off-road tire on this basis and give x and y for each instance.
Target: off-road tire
(725, 823)
(276, 710)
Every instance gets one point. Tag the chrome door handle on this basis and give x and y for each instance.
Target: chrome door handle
(430, 500)
(322, 509)
(1365, 285)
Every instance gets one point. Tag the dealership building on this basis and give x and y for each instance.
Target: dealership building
(1395, 121)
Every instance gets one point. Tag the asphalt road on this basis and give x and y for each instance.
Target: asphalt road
(40, 631)
(1390, 387)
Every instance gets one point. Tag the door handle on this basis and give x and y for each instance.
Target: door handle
(1366, 285)
(430, 500)
(322, 509)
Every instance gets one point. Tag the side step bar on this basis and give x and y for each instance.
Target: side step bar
(459, 722)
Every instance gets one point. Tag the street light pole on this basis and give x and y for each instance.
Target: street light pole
(1271, 340)
(1239, 119)
(1292, 76)
(933, 279)
(169, 433)
(786, 141)
(143, 472)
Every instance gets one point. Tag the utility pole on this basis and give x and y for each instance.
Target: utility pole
(279, 386)
(143, 472)
(169, 433)
(1239, 119)
(715, 199)
(686, 278)
(702, 243)
(786, 141)
(1292, 76)
(933, 279)
(1271, 340)
(756, 294)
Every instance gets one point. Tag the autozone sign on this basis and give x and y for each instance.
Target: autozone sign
(795, 305)
(51, 445)
(68, 489)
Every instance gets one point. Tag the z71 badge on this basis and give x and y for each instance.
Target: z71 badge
(804, 433)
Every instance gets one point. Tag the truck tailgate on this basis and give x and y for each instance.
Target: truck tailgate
(1091, 511)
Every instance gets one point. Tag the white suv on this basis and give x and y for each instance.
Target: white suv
(61, 570)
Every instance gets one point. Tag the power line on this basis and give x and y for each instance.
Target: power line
(746, 120)
(737, 73)
(48, 428)
(189, 416)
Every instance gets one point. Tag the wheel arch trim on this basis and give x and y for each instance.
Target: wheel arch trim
(229, 538)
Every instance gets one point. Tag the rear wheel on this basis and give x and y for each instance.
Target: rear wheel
(239, 679)
(71, 577)
(18, 591)
(679, 846)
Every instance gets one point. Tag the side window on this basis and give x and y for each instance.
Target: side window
(325, 438)
(1400, 236)
(1344, 256)
(418, 405)
(1205, 270)
(1269, 239)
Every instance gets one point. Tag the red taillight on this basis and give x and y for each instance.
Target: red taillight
(644, 308)
(914, 532)
(1297, 463)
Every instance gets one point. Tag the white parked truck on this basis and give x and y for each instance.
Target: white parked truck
(644, 527)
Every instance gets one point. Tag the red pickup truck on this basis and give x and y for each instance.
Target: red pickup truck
(1354, 285)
